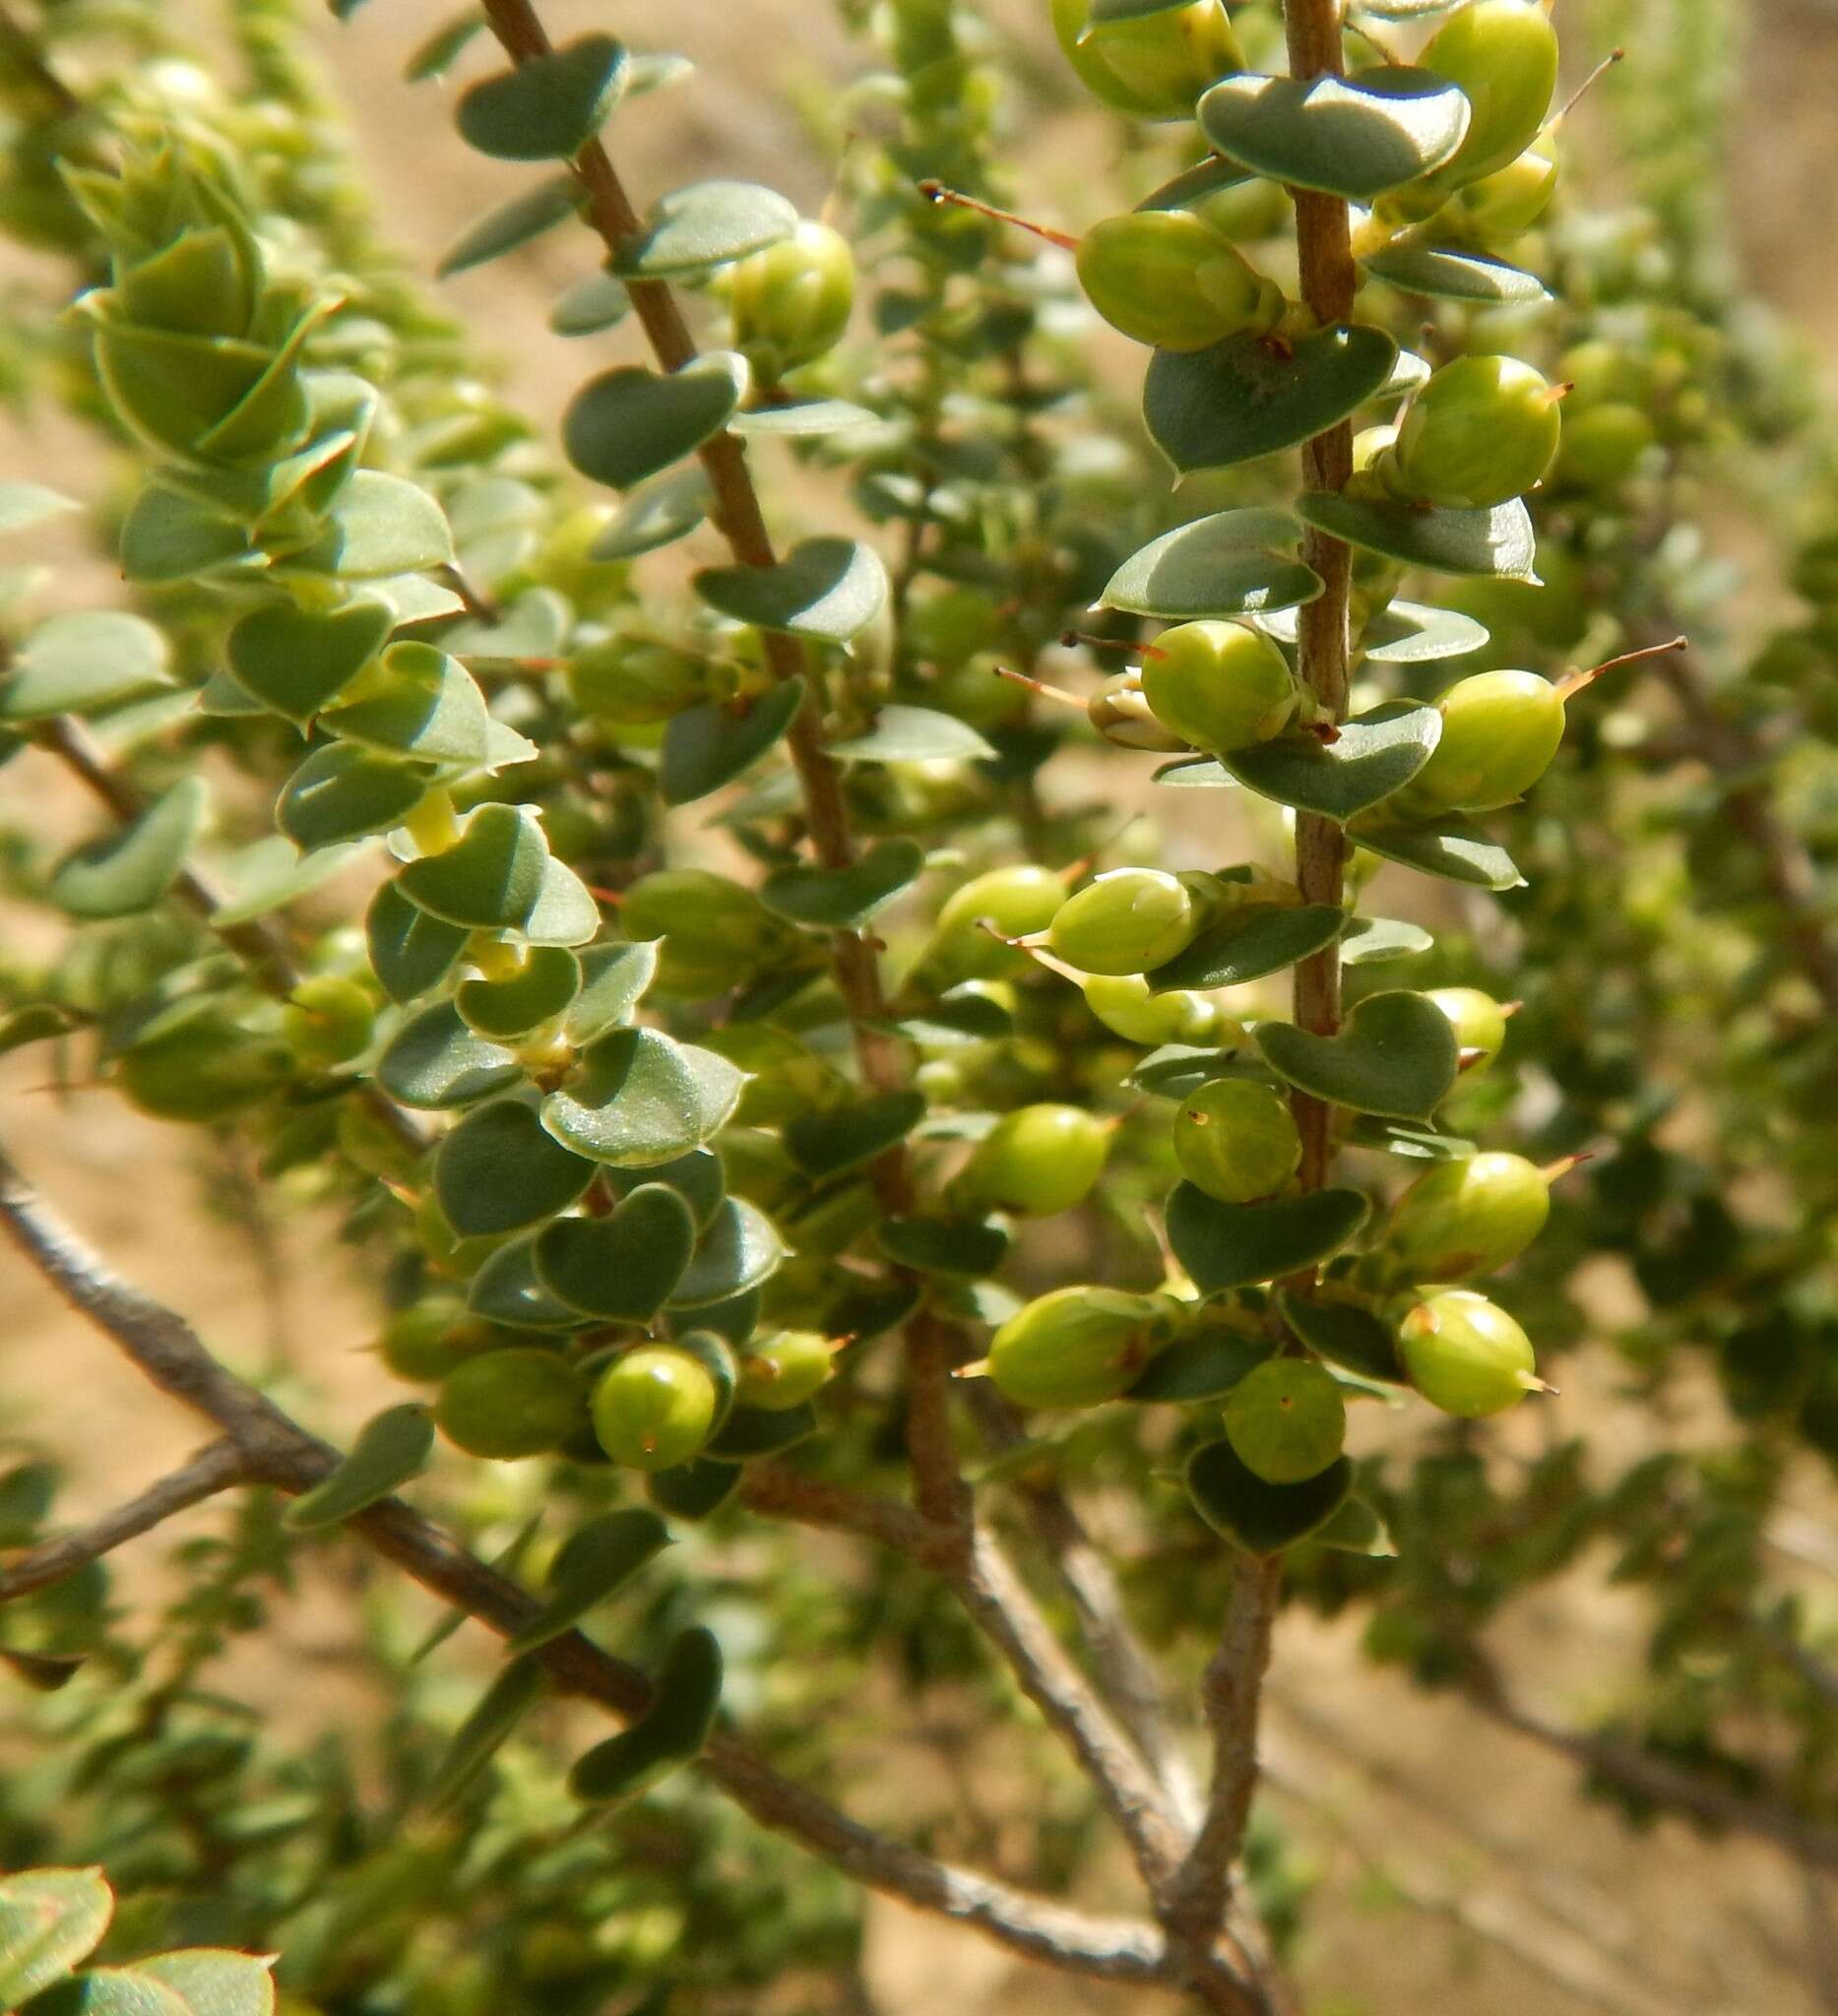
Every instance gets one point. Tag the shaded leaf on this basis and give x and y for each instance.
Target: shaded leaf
(549, 106)
(825, 589)
(510, 224)
(435, 1061)
(1375, 755)
(620, 1268)
(130, 869)
(390, 1450)
(595, 1562)
(630, 423)
(409, 950)
(1261, 1518)
(845, 899)
(78, 662)
(1231, 1245)
(825, 1143)
(500, 1171)
(1498, 542)
(1345, 1334)
(485, 1730)
(1450, 276)
(740, 1248)
(1222, 565)
(669, 1734)
(1395, 1054)
(709, 745)
(706, 225)
(1245, 944)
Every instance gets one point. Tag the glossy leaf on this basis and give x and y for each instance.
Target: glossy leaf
(505, 1289)
(1261, 1518)
(1375, 755)
(1231, 1245)
(825, 589)
(845, 899)
(341, 792)
(510, 224)
(620, 1268)
(440, 51)
(613, 980)
(705, 225)
(549, 106)
(630, 423)
(1203, 1366)
(915, 734)
(1346, 1335)
(1368, 940)
(595, 1562)
(1448, 276)
(1451, 849)
(299, 660)
(50, 1920)
(1355, 137)
(657, 514)
(1395, 1054)
(640, 1098)
(78, 662)
(1224, 565)
(500, 1171)
(490, 878)
(128, 870)
(740, 1248)
(390, 1450)
(752, 1432)
(825, 1143)
(1499, 542)
(410, 950)
(708, 746)
(968, 1247)
(435, 1062)
(1245, 944)
(1415, 1143)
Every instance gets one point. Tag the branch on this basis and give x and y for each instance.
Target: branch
(216, 1467)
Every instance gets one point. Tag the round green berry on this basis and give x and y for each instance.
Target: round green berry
(1604, 445)
(1003, 903)
(653, 1407)
(1500, 731)
(1481, 430)
(1126, 921)
(329, 1020)
(1076, 1347)
(714, 933)
(791, 302)
(1037, 1161)
(1124, 1005)
(1478, 1020)
(1236, 1140)
(1503, 54)
(786, 1370)
(1466, 1355)
(1154, 66)
(1165, 278)
(1286, 1419)
(1220, 685)
(1468, 1217)
(512, 1402)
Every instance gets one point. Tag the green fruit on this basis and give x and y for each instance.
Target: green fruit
(1479, 1023)
(1120, 712)
(1124, 1005)
(786, 1370)
(1127, 921)
(1286, 1419)
(655, 1408)
(1495, 209)
(1467, 1356)
(207, 1068)
(328, 1021)
(1599, 371)
(1165, 278)
(426, 1342)
(512, 1402)
(1247, 210)
(1813, 574)
(1220, 685)
(1481, 430)
(1012, 902)
(1503, 54)
(1153, 68)
(631, 682)
(1037, 1161)
(714, 933)
(791, 302)
(1236, 1140)
(1499, 734)
(1076, 1347)
(1466, 1217)
(1604, 445)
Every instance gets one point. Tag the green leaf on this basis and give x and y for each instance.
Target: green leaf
(1400, 634)
(491, 878)
(300, 660)
(130, 869)
(410, 950)
(620, 1268)
(1248, 397)
(438, 53)
(23, 504)
(381, 525)
(968, 1247)
(211, 1981)
(1377, 754)
(435, 1062)
(500, 1171)
(669, 1734)
(1344, 1335)
(485, 1730)
(77, 663)
(1232, 1245)
(108, 1991)
(1368, 940)
(694, 1490)
(640, 1098)
(1191, 185)
(1356, 1528)
(505, 1289)
(595, 1562)
(389, 1451)
(421, 703)
(804, 418)
(958, 1017)
(549, 982)
(613, 980)
(1222, 565)
(1499, 542)
(705, 225)
(1395, 1054)
(829, 590)
(510, 224)
(599, 300)
(657, 514)
(1446, 275)
(740, 1248)
(50, 1921)
(708, 746)
(1399, 1137)
(751, 1432)
(168, 535)
(36, 1022)
(1101, 13)
(845, 899)
(1261, 1518)
(1203, 1366)
(564, 913)
(1245, 944)
(549, 106)
(915, 734)
(629, 423)
(825, 1143)
(1450, 849)
(1353, 136)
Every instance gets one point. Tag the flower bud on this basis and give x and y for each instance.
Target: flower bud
(1499, 734)
(791, 302)
(1236, 1140)
(1503, 54)
(653, 1407)
(714, 933)
(1286, 1419)
(1127, 921)
(1120, 712)
(1124, 1005)
(1479, 1023)
(1466, 1355)
(1035, 1161)
(507, 1404)
(1468, 1217)
(1165, 278)
(1012, 902)
(1482, 429)
(1154, 66)
(1076, 1347)
(1220, 685)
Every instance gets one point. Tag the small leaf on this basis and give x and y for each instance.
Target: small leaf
(1451, 849)
(1400, 634)
(1344, 1335)
(1498, 542)
(740, 1248)
(1375, 755)
(597, 301)
(1245, 944)
(410, 950)
(669, 1734)
(1176, 1069)
(629, 423)
(705, 225)
(549, 106)
(845, 899)
(708, 746)
(1357, 1529)
(490, 878)
(1395, 1055)
(1248, 397)
(1232, 1245)
(1222, 565)
(546, 985)
(77, 663)
(806, 418)
(36, 1022)
(752, 1432)
(621, 1268)
(50, 1921)
(1368, 940)
(1261, 1518)
(510, 224)
(435, 1062)
(564, 913)
(613, 980)
(657, 514)
(23, 504)
(830, 590)
(640, 1098)
(694, 1490)
(915, 734)
(1203, 1366)
(595, 1562)
(211, 1981)
(168, 535)
(421, 703)
(485, 1730)
(129, 871)
(824, 1144)
(966, 1247)
(505, 1289)
(299, 660)
(500, 1171)
(1414, 1143)
(1353, 136)
(438, 53)
(1449, 276)
(389, 1451)
(109, 1992)
(1191, 185)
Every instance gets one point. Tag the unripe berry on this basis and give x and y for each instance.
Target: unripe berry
(791, 302)
(715, 933)
(1220, 685)
(1153, 68)
(1499, 207)
(632, 682)
(1012, 902)
(508, 1403)
(1035, 1161)
(1466, 1355)
(328, 1019)
(429, 1340)
(1076, 1347)
(1236, 1140)
(1503, 54)
(1286, 1419)
(1599, 371)
(1127, 921)
(1468, 1217)
(1479, 1023)
(1245, 210)
(1604, 445)
(1482, 429)
(653, 1407)
(786, 1370)
(1499, 734)
(1165, 278)
(1124, 1003)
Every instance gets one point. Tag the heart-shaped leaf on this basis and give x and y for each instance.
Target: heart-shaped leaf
(620, 1268)
(630, 423)
(78, 662)
(595, 1561)
(1451, 849)
(1499, 542)
(410, 950)
(1261, 1518)
(381, 525)
(695, 1490)
(600, 300)
(485, 1730)
(740, 1248)
(500, 1171)
(549, 106)
(705, 225)
(829, 590)
(1222, 565)
(549, 980)
(490, 878)
(1377, 753)
(1448, 276)
(299, 660)
(565, 911)
(1396, 1054)
(1250, 396)
(510, 224)
(824, 1144)
(640, 1098)
(1245, 944)
(1203, 1366)
(421, 703)
(1350, 136)
(1368, 940)
(697, 1177)
(1401, 633)
(915, 734)
(341, 792)
(708, 746)
(1344, 1335)
(613, 980)
(845, 899)
(657, 514)
(389, 1450)
(1231, 1245)
(130, 869)
(968, 1247)
(669, 1734)
(169, 535)
(505, 1289)
(435, 1062)
(212, 1981)
(50, 1921)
